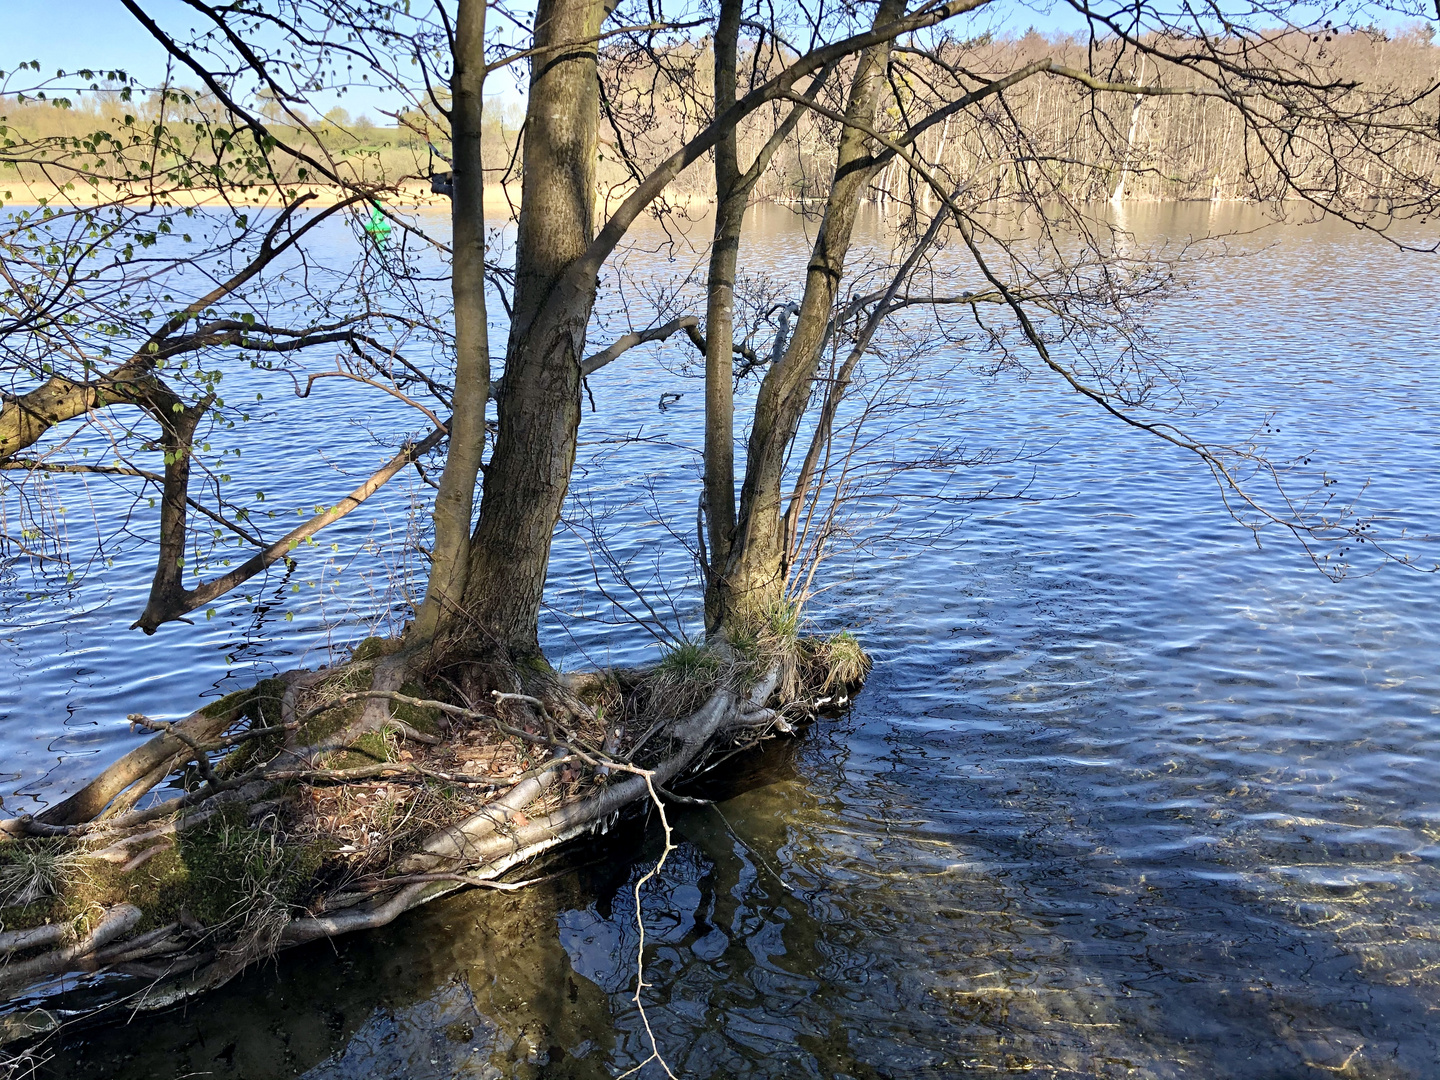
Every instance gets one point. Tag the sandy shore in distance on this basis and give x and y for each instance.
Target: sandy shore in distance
(17, 192)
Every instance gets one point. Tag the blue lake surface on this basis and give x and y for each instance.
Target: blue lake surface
(1126, 794)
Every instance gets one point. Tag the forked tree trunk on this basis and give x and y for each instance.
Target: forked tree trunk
(756, 577)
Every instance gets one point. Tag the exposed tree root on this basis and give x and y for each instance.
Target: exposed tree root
(321, 803)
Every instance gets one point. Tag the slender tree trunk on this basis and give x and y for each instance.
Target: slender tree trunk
(756, 575)
(840, 383)
(720, 321)
(454, 503)
(539, 407)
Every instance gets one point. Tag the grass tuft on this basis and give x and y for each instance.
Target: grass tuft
(684, 678)
(842, 661)
(35, 870)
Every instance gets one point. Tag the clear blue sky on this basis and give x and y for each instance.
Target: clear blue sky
(84, 33)
(102, 35)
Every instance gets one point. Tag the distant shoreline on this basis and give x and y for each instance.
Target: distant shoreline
(408, 197)
(82, 194)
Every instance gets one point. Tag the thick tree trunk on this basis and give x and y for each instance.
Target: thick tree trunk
(757, 576)
(539, 407)
(454, 502)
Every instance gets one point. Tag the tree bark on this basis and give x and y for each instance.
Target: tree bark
(720, 322)
(539, 410)
(167, 588)
(455, 500)
(756, 574)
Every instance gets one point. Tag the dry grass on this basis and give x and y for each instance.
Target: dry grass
(369, 824)
(681, 682)
(837, 664)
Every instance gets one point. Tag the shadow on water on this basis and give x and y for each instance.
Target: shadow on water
(481, 984)
(468, 986)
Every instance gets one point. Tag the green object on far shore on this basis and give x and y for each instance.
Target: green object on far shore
(378, 227)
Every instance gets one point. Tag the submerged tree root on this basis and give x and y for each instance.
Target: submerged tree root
(322, 803)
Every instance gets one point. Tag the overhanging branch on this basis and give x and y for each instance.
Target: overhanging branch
(169, 607)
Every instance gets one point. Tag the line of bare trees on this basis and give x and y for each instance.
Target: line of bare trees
(1152, 147)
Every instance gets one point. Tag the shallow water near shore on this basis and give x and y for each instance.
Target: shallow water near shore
(1125, 795)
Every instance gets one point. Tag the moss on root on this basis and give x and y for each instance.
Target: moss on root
(350, 679)
(374, 648)
(262, 711)
(222, 874)
(426, 720)
(371, 748)
(237, 701)
(328, 723)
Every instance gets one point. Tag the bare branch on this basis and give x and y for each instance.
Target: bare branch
(166, 609)
(624, 344)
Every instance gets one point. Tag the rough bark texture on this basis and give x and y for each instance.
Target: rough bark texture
(539, 409)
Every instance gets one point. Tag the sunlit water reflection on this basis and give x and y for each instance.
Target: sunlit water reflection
(1125, 796)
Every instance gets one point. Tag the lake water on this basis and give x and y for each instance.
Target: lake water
(1125, 796)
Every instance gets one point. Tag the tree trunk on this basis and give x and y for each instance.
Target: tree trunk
(730, 203)
(454, 502)
(539, 407)
(167, 588)
(756, 578)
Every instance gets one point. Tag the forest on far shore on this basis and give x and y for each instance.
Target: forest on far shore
(1080, 144)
